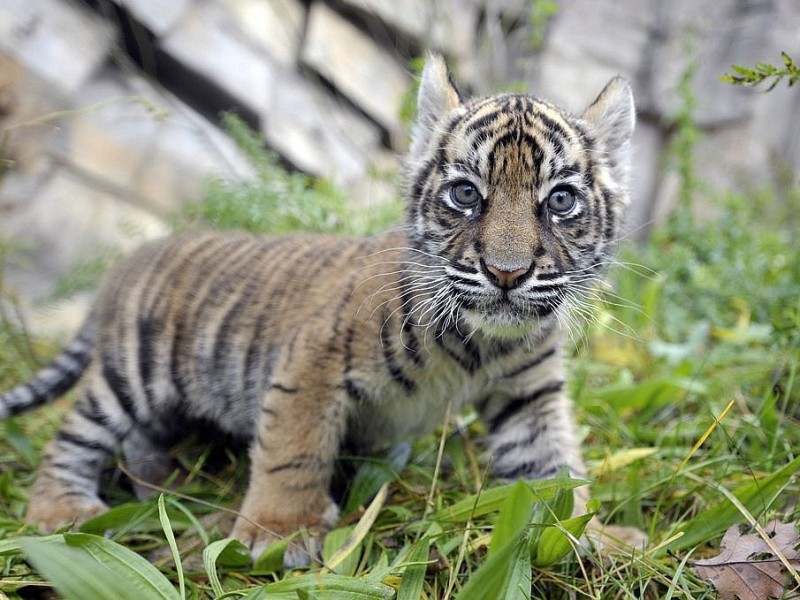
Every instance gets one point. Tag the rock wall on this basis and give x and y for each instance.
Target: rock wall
(109, 108)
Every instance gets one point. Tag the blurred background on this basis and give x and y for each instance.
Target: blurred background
(111, 110)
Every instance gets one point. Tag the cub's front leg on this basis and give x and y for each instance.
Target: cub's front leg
(532, 436)
(300, 426)
(532, 432)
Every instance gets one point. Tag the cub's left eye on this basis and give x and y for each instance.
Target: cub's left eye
(561, 201)
(465, 195)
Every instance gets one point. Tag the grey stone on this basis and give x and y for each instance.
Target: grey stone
(187, 151)
(276, 26)
(647, 148)
(708, 36)
(315, 132)
(211, 42)
(70, 220)
(363, 71)
(159, 16)
(447, 25)
(453, 28)
(578, 61)
(412, 18)
(108, 139)
(28, 106)
(145, 144)
(59, 41)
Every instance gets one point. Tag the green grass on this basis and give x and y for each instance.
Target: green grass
(700, 335)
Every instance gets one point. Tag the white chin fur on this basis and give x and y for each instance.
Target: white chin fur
(501, 326)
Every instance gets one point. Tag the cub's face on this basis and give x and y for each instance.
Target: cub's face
(513, 203)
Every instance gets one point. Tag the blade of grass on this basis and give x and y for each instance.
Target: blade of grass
(328, 585)
(705, 435)
(754, 496)
(230, 548)
(513, 517)
(201, 531)
(506, 575)
(437, 467)
(414, 572)
(361, 529)
(373, 473)
(173, 546)
(491, 499)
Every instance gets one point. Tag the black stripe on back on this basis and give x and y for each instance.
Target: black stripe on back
(531, 469)
(120, 387)
(148, 332)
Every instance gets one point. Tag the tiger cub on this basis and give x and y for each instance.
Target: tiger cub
(302, 345)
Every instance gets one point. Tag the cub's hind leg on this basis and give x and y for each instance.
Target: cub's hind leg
(67, 482)
(148, 462)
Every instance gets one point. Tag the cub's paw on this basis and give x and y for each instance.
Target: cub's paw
(51, 515)
(306, 534)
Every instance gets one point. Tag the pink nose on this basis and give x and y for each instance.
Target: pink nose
(505, 279)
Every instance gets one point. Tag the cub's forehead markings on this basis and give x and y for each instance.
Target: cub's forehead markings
(518, 136)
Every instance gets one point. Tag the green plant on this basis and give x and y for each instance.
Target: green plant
(764, 72)
(277, 200)
(540, 13)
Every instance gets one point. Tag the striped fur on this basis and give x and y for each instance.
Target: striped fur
(301, 345)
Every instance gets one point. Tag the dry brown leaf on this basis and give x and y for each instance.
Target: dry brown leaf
(746, 567)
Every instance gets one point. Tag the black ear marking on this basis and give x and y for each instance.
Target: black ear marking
(462, 97)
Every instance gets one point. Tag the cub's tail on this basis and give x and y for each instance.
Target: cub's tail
(54, 379)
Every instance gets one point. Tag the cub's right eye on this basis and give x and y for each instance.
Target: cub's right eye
(465, 195)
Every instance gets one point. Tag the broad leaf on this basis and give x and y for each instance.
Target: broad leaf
(85, 567)
(328, 586)
(514, 516)
(553, 543)
(373, 473)
(505, 575)
(414, 572)
(492, 499)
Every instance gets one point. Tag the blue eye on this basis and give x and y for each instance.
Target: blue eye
(561, 201)
(465, 195)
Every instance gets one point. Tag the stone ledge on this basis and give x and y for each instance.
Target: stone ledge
(315, 132)
(159, 16)
(235, 65)
(62, 43)
(94, 218)
(275, 26)
(362, 71)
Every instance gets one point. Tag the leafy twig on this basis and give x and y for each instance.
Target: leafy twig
(763, 72)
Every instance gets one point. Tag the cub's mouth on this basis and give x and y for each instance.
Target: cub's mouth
(509, 315)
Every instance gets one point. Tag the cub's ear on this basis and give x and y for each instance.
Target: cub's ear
(613, 115)
(437, 96)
